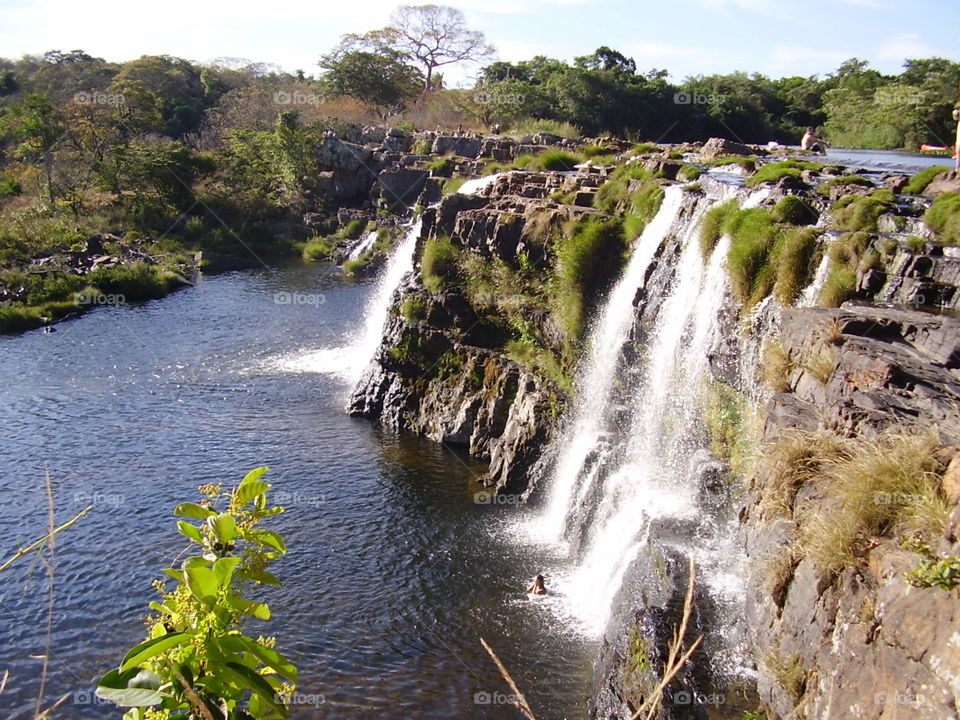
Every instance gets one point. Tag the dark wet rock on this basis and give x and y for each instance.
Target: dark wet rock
(944, 182)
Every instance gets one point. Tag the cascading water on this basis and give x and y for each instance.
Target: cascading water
(364, 245)
(350, 361)
(627, 460)
(608, 336)
(478, 185)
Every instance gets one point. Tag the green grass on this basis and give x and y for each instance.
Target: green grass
(918, 183)
(773, 172)
(613, 195)
(452, 185)
(753, 234)
(318, 248)
(555, 160)
(135, 281)
(711, 227)
(853, 213)
(422, 147)
(689, 173)
(839, 287)
(723, 416)
(588, 257)
(794, 211)
(748, 163)
(441, 167)
(438, 264)
(842, 181)
(413, 309)
(645, 147)
(642, 206)
(795, 253)
(943, 217)
(776, 365)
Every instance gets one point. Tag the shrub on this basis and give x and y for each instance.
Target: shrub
(918, 183)
(197, 659)
(712, 224)
(422, 147)
(438, 264)
(135, 281)
(587, 259)
(530, 126)
(10, 187)
(793, 210)
(793, 459)
(413, 310)
(943, 217)
(724, 418)
(882, 486)
(614, 193)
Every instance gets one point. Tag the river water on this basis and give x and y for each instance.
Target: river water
(394, 571)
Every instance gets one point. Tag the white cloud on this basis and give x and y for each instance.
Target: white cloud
(907, 45)
(803, 60)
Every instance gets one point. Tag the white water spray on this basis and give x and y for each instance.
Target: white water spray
(363, 246)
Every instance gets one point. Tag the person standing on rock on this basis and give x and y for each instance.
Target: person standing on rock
(956, 146)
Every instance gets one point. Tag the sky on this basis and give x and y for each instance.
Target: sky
(685, 37)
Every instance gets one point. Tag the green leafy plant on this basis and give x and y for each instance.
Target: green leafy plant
(933, 571)
(196, 663)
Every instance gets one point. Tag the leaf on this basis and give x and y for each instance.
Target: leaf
(271, 658)
(202, 582)
(146, 650)
(249, 491)
(243, 678)
(223, 569)
(191, 531)
(269, 537)
(249, 607)
(116, 686)
(224, 526)
(253, 476)
(192, 510)
(260, 576)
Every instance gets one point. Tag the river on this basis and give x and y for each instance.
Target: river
(394, 571)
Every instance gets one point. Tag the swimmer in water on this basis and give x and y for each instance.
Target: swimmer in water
(537, 587)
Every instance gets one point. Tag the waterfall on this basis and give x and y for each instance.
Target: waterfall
(626, 461)
(478, 185)
(808, 298)
(350, 361)
(363, 245)
(378, 306)
(607, 338)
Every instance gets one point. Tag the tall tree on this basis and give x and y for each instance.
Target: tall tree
(381, 79)
(431, 36)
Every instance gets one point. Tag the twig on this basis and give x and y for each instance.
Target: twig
(3, 680)
(48, 536)
(521, 700)
(674, 664)
(191, 694)
(51, 524)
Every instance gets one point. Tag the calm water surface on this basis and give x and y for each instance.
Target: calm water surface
(393, 572)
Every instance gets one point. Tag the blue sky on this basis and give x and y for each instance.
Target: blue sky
(686, 37)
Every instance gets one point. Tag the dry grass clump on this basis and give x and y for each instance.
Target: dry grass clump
(884, 486)
(776, 366)
(795, 458)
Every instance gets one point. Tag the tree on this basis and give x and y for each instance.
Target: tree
(432, 36)
(382, 79)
